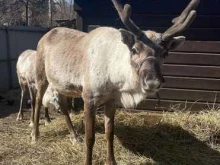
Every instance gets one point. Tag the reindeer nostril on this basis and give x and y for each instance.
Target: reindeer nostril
(152, 84)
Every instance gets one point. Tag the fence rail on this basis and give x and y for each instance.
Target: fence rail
(192, 75)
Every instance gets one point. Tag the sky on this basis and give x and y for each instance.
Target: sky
(66, 0)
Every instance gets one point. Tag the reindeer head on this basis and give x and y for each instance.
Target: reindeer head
(148, 48)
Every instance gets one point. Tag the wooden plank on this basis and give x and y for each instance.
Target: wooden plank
(192, 83)
(159, 20)
(152, 6)
(195, 34)
(193, 58)
(200, 46)
(79, 22)
(189, 95)
(172, 105)
(166, 21)
(77, 7)
(156, 20)
(28, 29)
(191, 71)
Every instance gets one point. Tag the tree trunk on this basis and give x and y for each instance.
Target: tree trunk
(27, 13)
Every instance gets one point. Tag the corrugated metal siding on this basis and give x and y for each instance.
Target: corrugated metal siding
(15, 40)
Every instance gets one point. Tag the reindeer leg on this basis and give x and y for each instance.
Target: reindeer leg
(42, 86)
(109, 133)
(64, 109)
(33, 97)
(20, 113)
(89, 112)
(47, 117)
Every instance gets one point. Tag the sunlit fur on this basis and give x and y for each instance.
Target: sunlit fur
(51, 97)
(98, 61)
(97, 66)
(26, 68)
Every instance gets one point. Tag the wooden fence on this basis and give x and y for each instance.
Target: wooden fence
(192, 75)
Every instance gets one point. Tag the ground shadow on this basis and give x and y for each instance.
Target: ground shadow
(6, 110)
(10, 102)
(166, 145)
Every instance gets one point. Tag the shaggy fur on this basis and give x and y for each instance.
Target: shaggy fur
(26, 69)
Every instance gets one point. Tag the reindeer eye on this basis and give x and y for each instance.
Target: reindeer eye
(133, 51)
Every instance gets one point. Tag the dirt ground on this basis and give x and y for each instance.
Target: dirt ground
(140, 139)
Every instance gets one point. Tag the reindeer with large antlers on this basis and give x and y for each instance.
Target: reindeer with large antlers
(106, 67)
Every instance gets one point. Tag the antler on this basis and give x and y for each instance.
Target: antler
(125, 14)
(182, 22)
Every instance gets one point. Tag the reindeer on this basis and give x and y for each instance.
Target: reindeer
(106, 67)
(51, 97)
(26, 78)
(26, 69)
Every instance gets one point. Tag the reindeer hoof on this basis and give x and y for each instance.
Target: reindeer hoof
(31, 125)
(73, 141)
(19, 118)
(33, 141)
(76, 140)
(47, 122)
(34, 137)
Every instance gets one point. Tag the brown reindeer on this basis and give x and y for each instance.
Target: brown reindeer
(106, 67)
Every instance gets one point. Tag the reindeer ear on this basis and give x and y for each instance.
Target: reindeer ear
(127, 38)
(176, 42)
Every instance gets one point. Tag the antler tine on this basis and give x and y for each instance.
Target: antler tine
(182, 22)
(191, 6)
(125, 14)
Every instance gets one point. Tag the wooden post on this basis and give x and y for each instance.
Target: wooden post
(79, 22)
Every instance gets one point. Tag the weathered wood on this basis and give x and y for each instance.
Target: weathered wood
(189, 95)
(28, 29)
(191, 71)
(192, 83)
(200, 46)
(79, 22)
(171, 105)
(77, 7)
(194, 34)
(193, 58)
(150, 20)
(150, 6)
